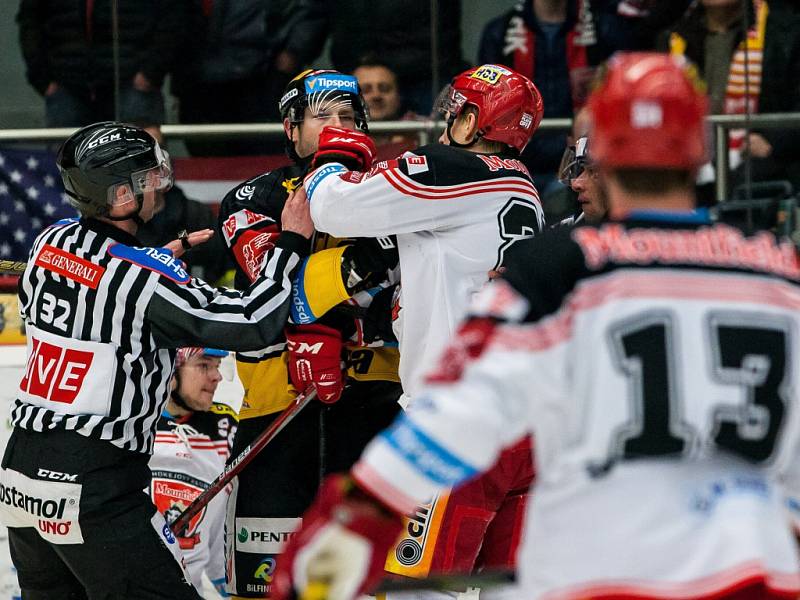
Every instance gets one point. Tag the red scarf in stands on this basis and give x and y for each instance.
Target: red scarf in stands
(520, 44)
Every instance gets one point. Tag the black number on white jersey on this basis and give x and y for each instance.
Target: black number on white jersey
(753, 355)
(518, 219)
(745, 352)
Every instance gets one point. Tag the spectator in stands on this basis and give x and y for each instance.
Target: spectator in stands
(398, 31)
(711, 35)
(241, 56)
(68, 47)
(174, 214)
(557, 43)
(381, 91)
(379, 87)
(646, 19)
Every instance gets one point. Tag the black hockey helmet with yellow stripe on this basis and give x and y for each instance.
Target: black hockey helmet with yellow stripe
(318, 88)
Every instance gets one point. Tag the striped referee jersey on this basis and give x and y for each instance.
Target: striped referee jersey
(104, 316)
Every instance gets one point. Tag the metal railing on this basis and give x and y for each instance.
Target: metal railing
(426, 130)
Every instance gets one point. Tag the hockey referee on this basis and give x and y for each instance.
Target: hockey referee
(103, 318)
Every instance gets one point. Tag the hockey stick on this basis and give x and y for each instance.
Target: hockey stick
(12, 267)
(234, 467)
(318, 590)
(451, 583)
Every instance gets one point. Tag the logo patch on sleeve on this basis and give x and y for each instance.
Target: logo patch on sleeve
(416, 164)
(313, 180)
(70, 266)
(159, 260)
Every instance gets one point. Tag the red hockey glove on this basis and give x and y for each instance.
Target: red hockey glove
(315, 358)
(340, 549)
(355, 150)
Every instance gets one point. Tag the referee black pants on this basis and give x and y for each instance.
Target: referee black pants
(126, 552)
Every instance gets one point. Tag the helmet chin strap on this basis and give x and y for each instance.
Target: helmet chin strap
(175, 395)
(133, 215)
(474, 141)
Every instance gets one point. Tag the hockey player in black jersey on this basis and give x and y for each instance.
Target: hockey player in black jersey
(357, 401)
(104, 317)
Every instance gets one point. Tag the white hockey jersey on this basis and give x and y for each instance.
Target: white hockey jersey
(188, 455)
(656, 364)
(455, 214)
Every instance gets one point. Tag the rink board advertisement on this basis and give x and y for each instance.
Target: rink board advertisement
(12, 330)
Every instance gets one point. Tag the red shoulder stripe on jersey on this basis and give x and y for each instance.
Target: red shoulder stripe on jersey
(658, 286)
(464, 186)
(407, 187)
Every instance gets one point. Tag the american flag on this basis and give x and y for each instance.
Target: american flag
(31, 198)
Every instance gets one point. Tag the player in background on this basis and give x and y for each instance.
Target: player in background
(326, 436)
(581, 174)
(193, 440)
(663, 463)
(457, 208)
(104, 318)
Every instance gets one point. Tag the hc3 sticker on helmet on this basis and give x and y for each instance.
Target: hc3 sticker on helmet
(159, 260)
(322, 83)
(490, 73)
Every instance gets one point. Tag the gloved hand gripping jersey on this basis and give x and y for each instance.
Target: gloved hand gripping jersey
(354, 149)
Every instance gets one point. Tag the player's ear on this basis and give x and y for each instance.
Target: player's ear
(468, 123)
(290, 130)
(121, 197)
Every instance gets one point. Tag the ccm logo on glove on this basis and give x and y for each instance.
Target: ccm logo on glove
(315, 358)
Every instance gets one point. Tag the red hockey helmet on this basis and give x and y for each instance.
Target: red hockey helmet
(648, 113)
(509, 106)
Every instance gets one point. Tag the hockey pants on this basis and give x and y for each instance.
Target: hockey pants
(475, 527)
(81, 524)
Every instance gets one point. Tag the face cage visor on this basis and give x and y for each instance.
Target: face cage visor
(574, 161)
(449, 103)
(155, 179)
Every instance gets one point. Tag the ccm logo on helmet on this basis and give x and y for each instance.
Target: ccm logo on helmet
(104, 139)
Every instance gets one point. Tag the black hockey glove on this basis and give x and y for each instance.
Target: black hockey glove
(368, 260)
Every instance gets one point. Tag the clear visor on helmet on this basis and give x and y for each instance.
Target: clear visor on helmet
(449, 103)
(155, 179)
(574, 161)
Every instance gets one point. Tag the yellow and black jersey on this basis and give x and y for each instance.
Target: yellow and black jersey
(249, 223)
